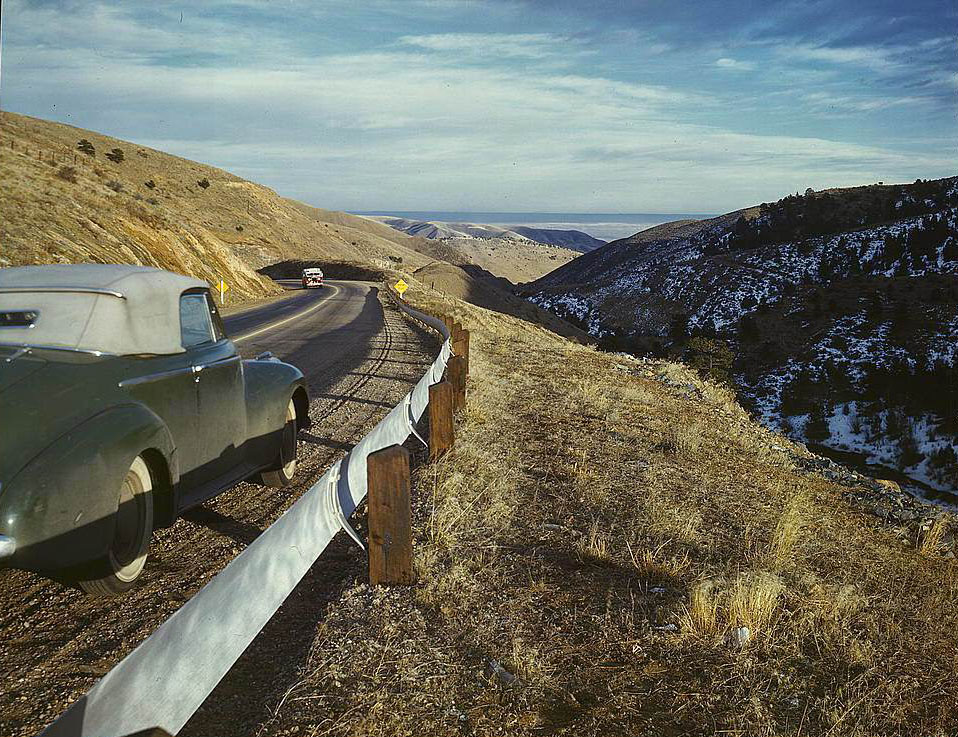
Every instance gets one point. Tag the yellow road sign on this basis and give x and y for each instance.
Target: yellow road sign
(224, 288)
(401, 286)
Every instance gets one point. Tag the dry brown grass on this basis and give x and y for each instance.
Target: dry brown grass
(788, 531)
(930, 541)
(619, 610)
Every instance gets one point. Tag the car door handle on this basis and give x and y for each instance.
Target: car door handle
(198, 367)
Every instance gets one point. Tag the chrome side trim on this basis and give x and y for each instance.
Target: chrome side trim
(7, 546)
(158, 376)
(218, 362)
(17, 353)
(67, 290)
(27, 347)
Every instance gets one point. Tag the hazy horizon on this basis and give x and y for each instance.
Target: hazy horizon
(607, 226)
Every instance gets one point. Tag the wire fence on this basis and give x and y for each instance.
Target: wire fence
(161, 683)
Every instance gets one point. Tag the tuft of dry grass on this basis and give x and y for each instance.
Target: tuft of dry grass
(682, 440)
(788, 531)
(930, 540)
(753, 601)
(703, 610)
(717, 606)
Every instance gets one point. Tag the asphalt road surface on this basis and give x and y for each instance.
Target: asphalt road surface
(360, 356)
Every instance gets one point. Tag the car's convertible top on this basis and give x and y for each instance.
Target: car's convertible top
(110, 308)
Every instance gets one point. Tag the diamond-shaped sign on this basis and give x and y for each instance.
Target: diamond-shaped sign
(401, 286)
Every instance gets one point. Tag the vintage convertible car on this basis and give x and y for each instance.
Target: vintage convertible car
(123, 403)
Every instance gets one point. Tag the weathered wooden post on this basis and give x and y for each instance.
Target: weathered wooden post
(460, 346)
(390, 517)
(457, 377)
(449, 323)
(441, 433)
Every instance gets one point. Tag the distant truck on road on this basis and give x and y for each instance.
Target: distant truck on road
(312, 278)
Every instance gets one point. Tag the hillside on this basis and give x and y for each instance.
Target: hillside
(478, 287)
(614, 548)
(835, 311)
(122, 202)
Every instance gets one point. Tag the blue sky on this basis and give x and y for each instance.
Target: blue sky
(506, 106)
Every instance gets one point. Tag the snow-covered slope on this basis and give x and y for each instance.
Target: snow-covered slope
(841, 308)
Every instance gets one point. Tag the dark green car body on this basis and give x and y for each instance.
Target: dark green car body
(72, 422)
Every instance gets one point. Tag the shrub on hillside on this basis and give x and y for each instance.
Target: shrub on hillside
(84, 146)
(712, 358)
(68, 174)
(116, 155)
(908, 446)
(817, 427)
(149, 184)
(115, 185)
(204, 183)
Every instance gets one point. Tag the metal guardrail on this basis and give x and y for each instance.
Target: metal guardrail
(167, 677)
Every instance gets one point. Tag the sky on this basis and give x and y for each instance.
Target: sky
(512, 105)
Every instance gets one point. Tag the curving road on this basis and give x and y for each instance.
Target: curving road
(360, 358)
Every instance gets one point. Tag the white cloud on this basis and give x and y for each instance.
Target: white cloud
(876, 58)
(733, 64)
(502, 45)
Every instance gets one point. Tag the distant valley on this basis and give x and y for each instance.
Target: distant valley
(574, 240)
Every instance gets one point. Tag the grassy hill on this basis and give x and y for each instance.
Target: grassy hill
(121, 202)
(614, 547)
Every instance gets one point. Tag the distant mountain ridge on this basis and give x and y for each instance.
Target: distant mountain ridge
(575, 240)
(835, 311)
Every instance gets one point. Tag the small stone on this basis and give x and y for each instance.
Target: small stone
(501, 673)
(742, 635)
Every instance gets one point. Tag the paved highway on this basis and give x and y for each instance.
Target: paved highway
(360, 358)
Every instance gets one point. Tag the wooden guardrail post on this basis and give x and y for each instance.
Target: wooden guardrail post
(448, 322)
(460, 346)
(456, 367)
(390, 516)
(441, 432)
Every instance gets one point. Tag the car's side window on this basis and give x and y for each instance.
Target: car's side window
(219, 329)
(196, 327)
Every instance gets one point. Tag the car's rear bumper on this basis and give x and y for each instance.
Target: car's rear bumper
(7, 546)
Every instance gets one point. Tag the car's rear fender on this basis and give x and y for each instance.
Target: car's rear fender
(270, 384)
(60, 508)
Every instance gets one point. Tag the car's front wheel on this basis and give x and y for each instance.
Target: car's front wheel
(117, 571)
(285, 465)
